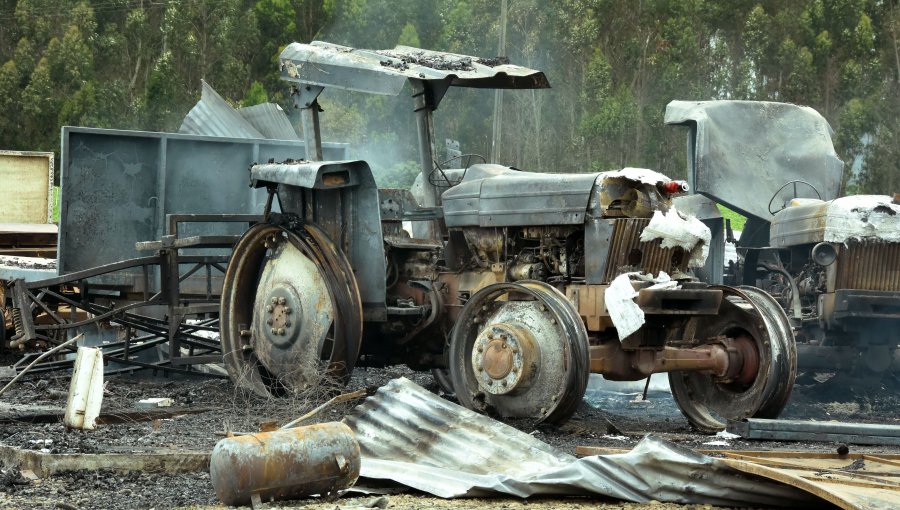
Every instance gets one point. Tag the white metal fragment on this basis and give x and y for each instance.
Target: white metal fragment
(862, 217)
(686, 232)
(149, 403)
(642, 175)
(626, 315)
(85, 390)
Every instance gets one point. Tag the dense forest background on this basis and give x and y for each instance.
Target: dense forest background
(613, 65)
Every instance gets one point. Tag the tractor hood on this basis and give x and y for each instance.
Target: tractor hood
(853, 218)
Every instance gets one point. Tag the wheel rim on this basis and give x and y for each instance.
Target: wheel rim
(520, 358)
(748, 316)
(290, 310)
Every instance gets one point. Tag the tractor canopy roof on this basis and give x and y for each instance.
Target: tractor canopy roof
(386, 71)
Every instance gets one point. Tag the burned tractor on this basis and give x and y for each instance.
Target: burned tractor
(513, 287)
(833, 264)
(835, 268)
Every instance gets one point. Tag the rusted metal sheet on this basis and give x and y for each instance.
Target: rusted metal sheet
(26, 179)
(628, 253)
(285, 464)
(420, 440)
(386, 71)
(857, 482)
(868, 266)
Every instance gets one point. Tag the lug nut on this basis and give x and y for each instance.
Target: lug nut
(503, 336)
(269, 308)
(490, 336)
(287, 310)
(273, 331)
(287, 324)
(504, 384)
(281, 301)
(480, 349)
(269, 321)
(274, 300)
(280, 331)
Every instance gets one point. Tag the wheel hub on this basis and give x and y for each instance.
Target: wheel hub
(283, 313)
(503, 357)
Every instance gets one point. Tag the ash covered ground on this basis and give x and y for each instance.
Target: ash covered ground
(612, 415)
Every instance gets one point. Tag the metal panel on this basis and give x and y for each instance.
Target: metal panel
(758, 146)
(493, 195)
(118, 187)
(869, 266)
(213, 116)
(270, 120)
(387, 71)
(26, 179)
(411, 436)
(831, 431)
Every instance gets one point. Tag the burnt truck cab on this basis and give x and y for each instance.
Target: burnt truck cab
(839, 278)
(513, 287)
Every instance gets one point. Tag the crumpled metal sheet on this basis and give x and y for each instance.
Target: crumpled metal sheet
(387, 71)
(270, 120)
(213, 116)
(415, 438)
(758, 146)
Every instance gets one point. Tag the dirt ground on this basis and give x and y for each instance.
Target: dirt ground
(620, 420)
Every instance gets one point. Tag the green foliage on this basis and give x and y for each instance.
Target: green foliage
(737, 220)
(613, 64)
(256, 95)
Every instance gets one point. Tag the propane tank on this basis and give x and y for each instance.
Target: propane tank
(285, 464)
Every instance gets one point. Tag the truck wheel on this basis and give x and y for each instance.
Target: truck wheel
(520, 350)
(290, 311)
(763, 334)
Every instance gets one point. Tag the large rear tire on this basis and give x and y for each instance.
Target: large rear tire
(290, 311)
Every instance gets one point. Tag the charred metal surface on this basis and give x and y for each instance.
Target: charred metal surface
(117, 187)
(867, 266)
(627, 252)
(789, 142)
(386, 72)
(831, 431)
(285, 464)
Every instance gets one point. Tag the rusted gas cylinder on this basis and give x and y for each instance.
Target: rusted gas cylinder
(285, 464)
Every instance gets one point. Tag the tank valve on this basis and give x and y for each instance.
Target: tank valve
(674, 187)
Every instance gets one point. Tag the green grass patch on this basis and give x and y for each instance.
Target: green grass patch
(55, 199)
(737, 220)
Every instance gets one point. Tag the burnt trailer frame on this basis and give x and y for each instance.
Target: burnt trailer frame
(120, 188)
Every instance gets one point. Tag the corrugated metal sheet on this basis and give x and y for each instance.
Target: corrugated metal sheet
(213, 116)
(413, 437)
(387, 71)
(270, 120)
